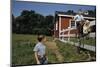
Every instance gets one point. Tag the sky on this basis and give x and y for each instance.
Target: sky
(46, 8)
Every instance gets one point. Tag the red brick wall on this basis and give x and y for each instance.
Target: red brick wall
(65, 22)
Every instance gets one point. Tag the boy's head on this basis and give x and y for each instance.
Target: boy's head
(41, 38)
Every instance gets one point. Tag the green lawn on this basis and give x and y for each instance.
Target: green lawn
(70, 53)
(22, 51)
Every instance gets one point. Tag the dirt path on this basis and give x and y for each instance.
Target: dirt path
(53, 47)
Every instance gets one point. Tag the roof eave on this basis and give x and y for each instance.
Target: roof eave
(73, 16)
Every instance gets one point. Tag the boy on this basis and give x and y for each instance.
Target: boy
(79, 21)
(40, 50)
(79, 17)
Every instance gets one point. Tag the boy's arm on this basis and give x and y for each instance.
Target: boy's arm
(74, 18)
(36, 57)
(83, 18)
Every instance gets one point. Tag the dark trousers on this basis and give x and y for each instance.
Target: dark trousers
(80, 33)
(43, 60)
(79, 28)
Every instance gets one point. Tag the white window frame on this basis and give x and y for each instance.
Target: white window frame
(70, 24)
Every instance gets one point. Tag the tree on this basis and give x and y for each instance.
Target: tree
(70, 12)
(30, 22)
(91, 13)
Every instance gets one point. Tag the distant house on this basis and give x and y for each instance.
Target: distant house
(63, 21)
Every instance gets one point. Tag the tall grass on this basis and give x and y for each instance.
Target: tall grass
(22, 51)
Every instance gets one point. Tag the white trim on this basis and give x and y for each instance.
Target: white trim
(73, 16)
(64, 30)
(65, 15)
(56, 26)
(70, 23)
(69, 33)
(90, 18)
(65, 35)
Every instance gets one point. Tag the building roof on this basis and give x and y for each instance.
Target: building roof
(66, 14)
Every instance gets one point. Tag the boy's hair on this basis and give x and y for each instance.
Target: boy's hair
(40, 37)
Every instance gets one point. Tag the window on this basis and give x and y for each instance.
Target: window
(73, 24)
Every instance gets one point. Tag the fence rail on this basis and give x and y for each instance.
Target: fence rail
(85, 46)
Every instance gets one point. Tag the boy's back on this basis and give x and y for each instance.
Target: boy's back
(40, 49)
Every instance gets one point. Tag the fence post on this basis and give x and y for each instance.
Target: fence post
(68, 34)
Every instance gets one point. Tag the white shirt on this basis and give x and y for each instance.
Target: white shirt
(40, 49)
(78, 18)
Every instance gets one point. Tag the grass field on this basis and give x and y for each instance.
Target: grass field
(22, 51)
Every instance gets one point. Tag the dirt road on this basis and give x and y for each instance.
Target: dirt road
(54, 48)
